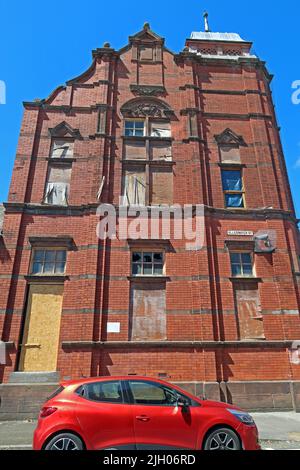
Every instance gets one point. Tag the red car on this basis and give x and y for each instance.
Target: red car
(125, 413)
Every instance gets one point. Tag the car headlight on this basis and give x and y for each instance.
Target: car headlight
(242, 416)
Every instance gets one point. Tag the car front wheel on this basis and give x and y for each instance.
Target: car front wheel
(65, 441)
(222, 439)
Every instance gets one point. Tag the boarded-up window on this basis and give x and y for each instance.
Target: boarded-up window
(101, 127)
(135, 187)
(160, 151)
(193, 127)
(146, 53)
(161, 183)
(58, 185)
(160, 129)
(250, 319)
(148, 312)
(62, 149)
(135, 150)
(230, 154)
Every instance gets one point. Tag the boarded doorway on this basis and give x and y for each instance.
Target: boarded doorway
(42, 326)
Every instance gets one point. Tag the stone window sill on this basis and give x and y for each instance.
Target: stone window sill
(245, 279)
(149, 278)
(46, 279)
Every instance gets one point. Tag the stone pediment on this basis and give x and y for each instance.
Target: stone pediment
(146, 35)
(64, 130)
(228, 137)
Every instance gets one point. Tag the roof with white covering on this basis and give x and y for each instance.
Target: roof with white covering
(209, 36)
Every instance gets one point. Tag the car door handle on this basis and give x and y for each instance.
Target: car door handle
(143, 418)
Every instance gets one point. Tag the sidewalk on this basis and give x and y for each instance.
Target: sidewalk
(16, 435)
(276, 430)
(279, 426)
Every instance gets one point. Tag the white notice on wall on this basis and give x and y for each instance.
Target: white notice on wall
(240, 233)
(113, 327)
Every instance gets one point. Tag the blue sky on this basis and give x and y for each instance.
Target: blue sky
(44, 44)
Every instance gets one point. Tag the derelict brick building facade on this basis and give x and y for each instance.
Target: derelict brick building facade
(155, 128)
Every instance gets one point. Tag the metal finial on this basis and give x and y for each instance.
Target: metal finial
(206, 25)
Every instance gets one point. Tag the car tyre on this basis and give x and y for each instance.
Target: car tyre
(222, 439)
(65, 441)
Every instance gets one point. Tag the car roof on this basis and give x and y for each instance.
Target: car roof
(86, 380)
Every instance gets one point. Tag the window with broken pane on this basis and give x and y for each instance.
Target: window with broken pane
(146, 263)
(49, 262)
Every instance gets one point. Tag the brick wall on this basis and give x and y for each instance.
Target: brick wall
(200, 305)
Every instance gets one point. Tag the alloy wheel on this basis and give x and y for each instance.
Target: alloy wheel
(64, 444)
(222, 439)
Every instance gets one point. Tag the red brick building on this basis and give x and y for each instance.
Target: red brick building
(155, 128)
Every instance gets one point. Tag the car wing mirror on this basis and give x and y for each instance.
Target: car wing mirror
(182, 403)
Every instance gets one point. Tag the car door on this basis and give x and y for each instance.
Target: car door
(159, 423)
(105, 415)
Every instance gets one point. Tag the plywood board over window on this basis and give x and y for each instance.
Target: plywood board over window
(162, 186)
(250, 319)
(135, 151)
(146, 53)
(160, 151)
(230, 154)
(148, 320)
(62, 148)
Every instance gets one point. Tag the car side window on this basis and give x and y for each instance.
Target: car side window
(104, 392)
(150, 393)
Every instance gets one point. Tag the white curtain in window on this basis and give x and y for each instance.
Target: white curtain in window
(57, 194)
(157, 132)
(160, 129)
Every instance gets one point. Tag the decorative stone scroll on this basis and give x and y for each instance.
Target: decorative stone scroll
(144, 108)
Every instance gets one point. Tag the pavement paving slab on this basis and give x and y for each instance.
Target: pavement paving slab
(278, 426)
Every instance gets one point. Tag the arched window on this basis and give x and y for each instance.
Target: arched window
(147, 153)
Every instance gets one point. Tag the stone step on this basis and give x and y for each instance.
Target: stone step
(34, 377)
